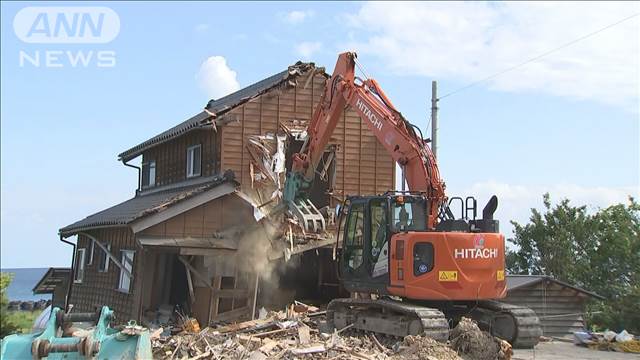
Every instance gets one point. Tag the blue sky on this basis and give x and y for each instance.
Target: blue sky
(567, 123)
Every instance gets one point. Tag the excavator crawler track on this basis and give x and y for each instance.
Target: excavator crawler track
(388, 317)
(516, 324)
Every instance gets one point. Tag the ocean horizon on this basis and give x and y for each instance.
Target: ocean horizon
(23, 282)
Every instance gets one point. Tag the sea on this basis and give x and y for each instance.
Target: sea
(23, 282)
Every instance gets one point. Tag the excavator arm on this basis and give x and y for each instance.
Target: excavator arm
(392, 130)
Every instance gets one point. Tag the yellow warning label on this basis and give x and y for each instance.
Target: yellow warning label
(448, 275)
(500, 275)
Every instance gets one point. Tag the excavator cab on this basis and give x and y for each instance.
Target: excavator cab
(387, 248)
(367, 226)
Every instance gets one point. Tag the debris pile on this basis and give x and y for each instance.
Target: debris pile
(423, 348)
(472, 343)
(302, 332)
(608, 341)
(287, 335)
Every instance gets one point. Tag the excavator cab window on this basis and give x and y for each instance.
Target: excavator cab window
(379, 250)
(422, 258)
(409, 214)
(354, 237)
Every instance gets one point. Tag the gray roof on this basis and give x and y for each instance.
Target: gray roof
(221, 106)
(519, 281)
(144, 204)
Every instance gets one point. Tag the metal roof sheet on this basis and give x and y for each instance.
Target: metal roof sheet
(144, 204)
(518, 281)
(221, 106)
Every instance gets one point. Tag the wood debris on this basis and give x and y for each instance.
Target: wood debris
(293, 334)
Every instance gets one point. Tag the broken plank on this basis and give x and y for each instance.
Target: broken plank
(243, 325)
(194, 271)
(304, 335)
(309, 350)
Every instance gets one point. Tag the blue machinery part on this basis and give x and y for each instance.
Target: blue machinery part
(103, 342)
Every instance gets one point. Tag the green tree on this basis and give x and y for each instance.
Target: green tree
(598, 251)
(6, 326)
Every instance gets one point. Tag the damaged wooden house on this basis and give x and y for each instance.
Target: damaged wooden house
(195, 234)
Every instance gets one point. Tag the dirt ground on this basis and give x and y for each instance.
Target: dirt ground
(557, 350)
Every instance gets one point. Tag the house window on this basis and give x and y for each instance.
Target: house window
(103, 262)
(194, 160)
(90, 257)
(79, 265)
(127, 262)
(149, 174)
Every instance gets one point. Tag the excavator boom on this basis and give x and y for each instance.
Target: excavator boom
(391, 129)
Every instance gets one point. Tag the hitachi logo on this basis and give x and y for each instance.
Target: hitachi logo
(369, 114)
(475, 253)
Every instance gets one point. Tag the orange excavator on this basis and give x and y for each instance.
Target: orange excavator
(419, 267)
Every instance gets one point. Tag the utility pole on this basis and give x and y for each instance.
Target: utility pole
(434, 118)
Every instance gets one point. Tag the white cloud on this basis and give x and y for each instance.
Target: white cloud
(516, 201)
(297, 16)
(467, 41)
(307, 49)
(216, 78)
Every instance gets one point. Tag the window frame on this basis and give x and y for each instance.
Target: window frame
(128, 266)
(91, 250)
(146, 168)
(79, 266)
(431, 262)
(106, 260)
(350, 246)
(190, 165)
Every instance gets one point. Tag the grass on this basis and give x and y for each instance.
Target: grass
(23, 320)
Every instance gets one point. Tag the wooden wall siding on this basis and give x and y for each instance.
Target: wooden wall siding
(552, 301)
(171, 157)
(100, 288)
(206, 219)
(363, 166)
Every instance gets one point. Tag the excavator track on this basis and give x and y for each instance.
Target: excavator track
(518, 325)
(388, 317)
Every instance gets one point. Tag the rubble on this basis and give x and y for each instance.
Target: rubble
(301, 332)
(474, 344)
(17, 305)
(424, 348)
(608, 341)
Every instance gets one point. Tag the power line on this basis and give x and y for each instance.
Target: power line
(538, 57)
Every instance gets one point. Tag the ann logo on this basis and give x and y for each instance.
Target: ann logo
(66, 25)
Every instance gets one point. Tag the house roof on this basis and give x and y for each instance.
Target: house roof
(215, 108)
(52, 278)
(146, 203)
(519, 281)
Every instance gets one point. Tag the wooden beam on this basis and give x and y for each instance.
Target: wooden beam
(232, 314)
(228, 242)
(194, 271)
(192, 295)
(207, 252)
(109, 254)
(232, 293)
(255, 296)
(215, 302)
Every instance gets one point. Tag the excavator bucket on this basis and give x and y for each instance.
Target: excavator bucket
(103, 342)
(311, 219)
